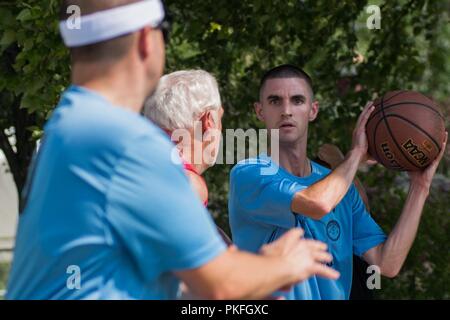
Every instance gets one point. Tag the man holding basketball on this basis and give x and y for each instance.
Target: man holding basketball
(276, 192)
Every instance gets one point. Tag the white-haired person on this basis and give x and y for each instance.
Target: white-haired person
(188, 107)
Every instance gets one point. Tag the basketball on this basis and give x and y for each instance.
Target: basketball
(405, 131)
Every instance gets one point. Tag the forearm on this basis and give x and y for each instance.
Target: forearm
(238, 275)
(321, 197)
(395, 250)
(253, 280)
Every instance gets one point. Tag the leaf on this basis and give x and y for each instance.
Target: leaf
(9, 36)
(28, 44)
(24, 15)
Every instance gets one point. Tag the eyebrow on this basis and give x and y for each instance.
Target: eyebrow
(295, 96)
(298, 96)
(273, 97)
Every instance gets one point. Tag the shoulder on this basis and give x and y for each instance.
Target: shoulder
(251, 166)
(84, 114)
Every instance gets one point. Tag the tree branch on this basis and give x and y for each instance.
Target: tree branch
(11, 156)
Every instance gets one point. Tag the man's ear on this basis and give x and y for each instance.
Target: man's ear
(144, 42)
(208, 121)
(314, 111)
(259, 111)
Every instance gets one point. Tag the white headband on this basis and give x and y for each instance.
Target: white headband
(111, 23)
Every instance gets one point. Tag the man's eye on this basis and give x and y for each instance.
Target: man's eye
(298, 100)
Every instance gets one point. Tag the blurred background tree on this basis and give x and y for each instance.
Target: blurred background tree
(237, 41)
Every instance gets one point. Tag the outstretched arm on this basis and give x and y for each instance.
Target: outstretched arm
(320, 198)
(391, 255)
(240, 275)
(333, 157)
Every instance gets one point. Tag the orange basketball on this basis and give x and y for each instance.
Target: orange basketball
(405, 131)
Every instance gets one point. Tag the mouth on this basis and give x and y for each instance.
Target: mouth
(286, 126)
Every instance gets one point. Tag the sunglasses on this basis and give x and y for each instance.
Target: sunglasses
(164, 26)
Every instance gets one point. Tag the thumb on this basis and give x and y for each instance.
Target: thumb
(294, 233)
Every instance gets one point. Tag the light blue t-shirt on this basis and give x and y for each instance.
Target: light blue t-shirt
(261, 194)
(108, 215)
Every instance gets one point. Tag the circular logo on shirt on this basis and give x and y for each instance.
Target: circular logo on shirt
(333, 230)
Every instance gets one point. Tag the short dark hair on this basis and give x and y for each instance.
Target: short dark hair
(112, 49)
(286, 71)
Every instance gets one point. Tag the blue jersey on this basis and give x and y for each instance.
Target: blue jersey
(260, 201)
(108, 214)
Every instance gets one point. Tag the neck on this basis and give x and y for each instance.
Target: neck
(200, 168)
(293, 158)
(118, 83)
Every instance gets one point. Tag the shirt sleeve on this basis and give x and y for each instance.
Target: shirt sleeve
(262, 198)
(366, 232)
(156, 214)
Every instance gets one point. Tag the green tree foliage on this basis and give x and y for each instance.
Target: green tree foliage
(236, 41)
(34, 70)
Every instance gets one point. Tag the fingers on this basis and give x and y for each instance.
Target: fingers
(365, 114)
(371, 160)
(444, 145)
(287, 241)
(322, 257)
(326, 272)
(292, 237)
(366, 107)
(438, 159)
(316, 245)
(313, 254)
(368, 103)
(294, 233)
(319, 251)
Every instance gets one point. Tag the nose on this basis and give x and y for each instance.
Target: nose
(286, 109)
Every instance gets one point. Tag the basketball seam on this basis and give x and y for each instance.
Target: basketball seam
(416, 126)
(375, 144)
(392, 136)
(393, 96)
(376, 105)
(408, 103)
(375, 140)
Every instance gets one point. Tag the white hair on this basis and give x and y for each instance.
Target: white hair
(181, 97)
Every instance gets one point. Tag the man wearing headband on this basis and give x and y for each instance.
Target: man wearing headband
(107, 213)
